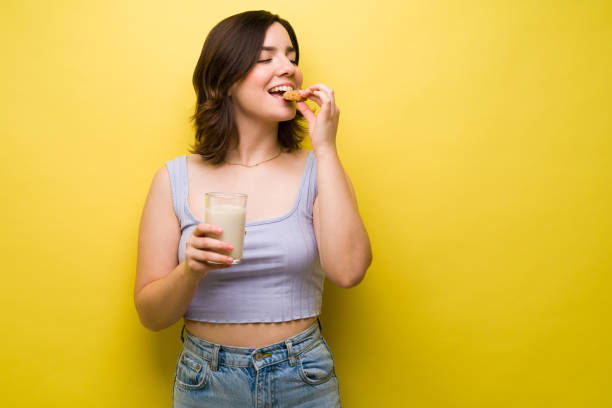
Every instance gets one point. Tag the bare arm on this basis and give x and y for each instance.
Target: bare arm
(164, 289)
(344, 245)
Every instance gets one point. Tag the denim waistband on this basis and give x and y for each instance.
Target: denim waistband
(219, 354)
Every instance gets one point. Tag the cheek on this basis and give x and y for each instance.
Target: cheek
(258, 78)
(298, 78)
(253, 82)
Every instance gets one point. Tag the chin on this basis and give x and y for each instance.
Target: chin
(285, 117)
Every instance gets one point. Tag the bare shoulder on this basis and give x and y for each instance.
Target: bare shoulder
(160, 194)
(159, 208)
(159, 232)
(161, 182)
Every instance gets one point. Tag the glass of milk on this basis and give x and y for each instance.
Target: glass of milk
(228, 211)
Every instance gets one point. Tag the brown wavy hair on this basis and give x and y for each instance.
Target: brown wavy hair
(230, 50)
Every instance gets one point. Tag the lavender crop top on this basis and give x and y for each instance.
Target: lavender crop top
(280, 277)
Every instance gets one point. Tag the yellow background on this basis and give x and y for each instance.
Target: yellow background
(477, 135)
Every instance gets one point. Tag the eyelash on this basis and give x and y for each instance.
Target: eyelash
(270, 59)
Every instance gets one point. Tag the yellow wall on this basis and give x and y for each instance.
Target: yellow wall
(478, 137)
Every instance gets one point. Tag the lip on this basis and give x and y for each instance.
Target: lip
(279, 97)
(282, 84)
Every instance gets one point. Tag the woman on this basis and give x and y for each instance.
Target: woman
(251, 335)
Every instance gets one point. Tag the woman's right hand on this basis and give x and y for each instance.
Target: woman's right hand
(199, 250)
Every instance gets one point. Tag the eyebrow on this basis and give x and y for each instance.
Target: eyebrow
(289, 49)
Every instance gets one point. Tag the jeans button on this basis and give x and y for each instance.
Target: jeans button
(258, 357)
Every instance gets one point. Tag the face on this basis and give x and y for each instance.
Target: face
(275, 66)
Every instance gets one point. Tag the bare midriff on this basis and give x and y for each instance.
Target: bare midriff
(250, 335)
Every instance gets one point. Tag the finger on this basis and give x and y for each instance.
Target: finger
(319, 86)
(206, 256)
(206, 266)
(328, 93)
(325, 89)
(316, 98)
(305, 92)
(210, 265)
(325, 100)
(210, 243)
(203, 229)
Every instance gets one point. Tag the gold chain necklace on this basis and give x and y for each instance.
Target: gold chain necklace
(256, 164)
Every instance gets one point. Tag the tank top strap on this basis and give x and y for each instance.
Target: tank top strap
(177, 170)
(309, 186)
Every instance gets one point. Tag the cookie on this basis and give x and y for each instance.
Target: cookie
(293, 96)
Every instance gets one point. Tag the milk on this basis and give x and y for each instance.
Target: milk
(231, 218)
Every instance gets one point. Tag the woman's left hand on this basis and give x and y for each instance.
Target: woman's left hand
(323, 126)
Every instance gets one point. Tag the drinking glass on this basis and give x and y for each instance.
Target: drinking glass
(228, 211)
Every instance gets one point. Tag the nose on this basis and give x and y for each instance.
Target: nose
(286, 67)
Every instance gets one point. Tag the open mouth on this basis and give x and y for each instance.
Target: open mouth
(279, 96)
(277, 92)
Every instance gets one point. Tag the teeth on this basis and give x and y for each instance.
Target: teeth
(281, 89)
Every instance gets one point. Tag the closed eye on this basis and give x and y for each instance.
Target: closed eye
(270, 59)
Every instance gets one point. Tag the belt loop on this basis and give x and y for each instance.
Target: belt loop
(183, 334)
(320, 327)
(215, 357)
(290, 352)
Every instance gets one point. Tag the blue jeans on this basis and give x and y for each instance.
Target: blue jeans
(297, 372)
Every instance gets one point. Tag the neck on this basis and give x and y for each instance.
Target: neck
(257, 141)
